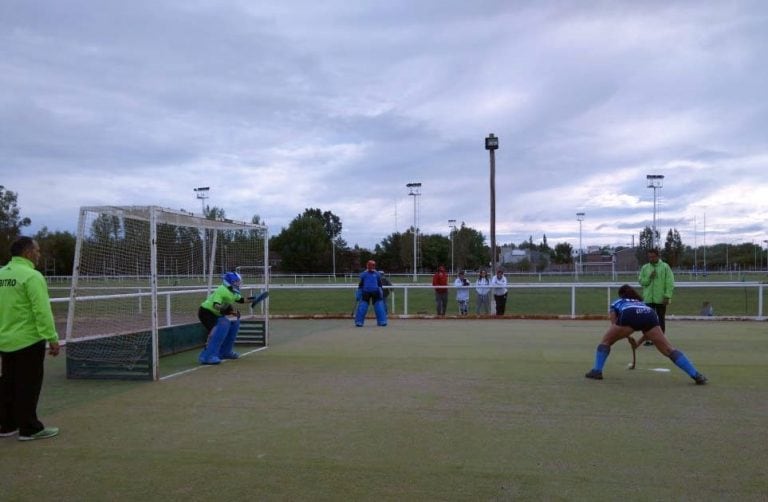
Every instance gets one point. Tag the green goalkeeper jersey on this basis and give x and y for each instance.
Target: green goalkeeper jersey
(25, 307)
(222, 296)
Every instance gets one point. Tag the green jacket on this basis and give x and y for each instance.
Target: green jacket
(221, 295)
(657, 288)
(25, 308)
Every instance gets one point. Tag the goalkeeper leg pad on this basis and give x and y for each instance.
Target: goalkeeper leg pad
(226, 352)
(210, 354)
(362, 310)
(381, 312)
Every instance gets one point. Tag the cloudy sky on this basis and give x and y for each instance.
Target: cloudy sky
(337, 105)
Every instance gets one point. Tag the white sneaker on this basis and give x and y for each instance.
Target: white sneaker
(46, 433)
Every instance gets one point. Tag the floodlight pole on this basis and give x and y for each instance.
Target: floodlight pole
(655, 181)
(580, 218)
(492, 144)
(452, 226)
(414, 190)
(202, 194)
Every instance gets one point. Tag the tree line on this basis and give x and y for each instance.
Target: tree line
(312, 243)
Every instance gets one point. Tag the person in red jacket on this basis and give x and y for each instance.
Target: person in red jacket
(440, 282)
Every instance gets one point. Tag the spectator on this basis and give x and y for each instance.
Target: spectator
(499, 285)
(707, 309)
(462, 293)
(440, 282)
(482, 286)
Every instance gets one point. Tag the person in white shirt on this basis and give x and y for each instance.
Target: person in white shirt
(482, 286)
(462, 293)
(499, 285)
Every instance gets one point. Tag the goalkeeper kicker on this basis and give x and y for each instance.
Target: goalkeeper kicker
(369, 290)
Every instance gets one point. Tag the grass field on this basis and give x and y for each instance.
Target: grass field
(419, 410)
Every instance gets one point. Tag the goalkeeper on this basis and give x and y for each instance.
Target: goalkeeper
(370, 289)
(222, 321)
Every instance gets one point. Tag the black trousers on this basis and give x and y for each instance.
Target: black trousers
(501, 303)
(20, 384)
(661, 311)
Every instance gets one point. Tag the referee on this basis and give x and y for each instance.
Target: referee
(26, 325)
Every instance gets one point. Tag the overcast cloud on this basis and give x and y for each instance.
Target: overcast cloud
(282, 106)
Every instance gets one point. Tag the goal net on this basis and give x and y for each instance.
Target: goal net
(140, 274)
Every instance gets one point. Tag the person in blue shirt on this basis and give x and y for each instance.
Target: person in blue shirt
(629, 314)
(370, 289)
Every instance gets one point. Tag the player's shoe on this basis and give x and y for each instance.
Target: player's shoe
(46, 433)
(700, 379)
(231, 355)
(9, 433)
(594, 374)
(210, 360)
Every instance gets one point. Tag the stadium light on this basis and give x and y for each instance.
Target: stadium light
(202, 194)
(414, 190)
(452, 226)
(580, 218)
(492, 144)
(655, 181)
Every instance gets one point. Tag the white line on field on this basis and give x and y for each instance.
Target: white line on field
(190, 370)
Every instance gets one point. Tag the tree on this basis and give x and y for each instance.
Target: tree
(57, 251)
(388, 253)
(673, 248)
(647, 241)
(215, 213)
(563, 253)
(303, 246)
(11, 222)
(331, 222)
(435, 251)
(469, 249)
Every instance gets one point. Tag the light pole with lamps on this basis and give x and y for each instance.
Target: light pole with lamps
(414, 190)
(202, 194)
(580, 218)
(655, 181)
(492, 144)
(452, 226)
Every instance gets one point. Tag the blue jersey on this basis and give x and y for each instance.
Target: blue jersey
(370, 281)
(634, 313)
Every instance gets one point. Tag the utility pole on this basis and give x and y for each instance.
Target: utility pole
(492, 144)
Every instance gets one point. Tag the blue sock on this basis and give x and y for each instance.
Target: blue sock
(601, 355)
(683, 363)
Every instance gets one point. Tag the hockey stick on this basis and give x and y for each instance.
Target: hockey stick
(633, 344)
(255, 300)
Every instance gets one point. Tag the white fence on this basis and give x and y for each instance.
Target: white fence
(415, 300)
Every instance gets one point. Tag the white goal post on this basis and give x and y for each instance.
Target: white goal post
(139, 276)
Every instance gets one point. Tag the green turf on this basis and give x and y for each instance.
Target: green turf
(420, 410)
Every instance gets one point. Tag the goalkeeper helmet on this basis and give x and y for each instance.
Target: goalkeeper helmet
(232, 279)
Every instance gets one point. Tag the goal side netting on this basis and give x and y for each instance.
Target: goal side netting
(140, 274)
